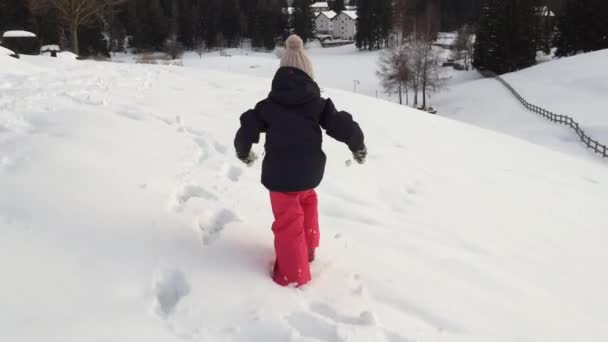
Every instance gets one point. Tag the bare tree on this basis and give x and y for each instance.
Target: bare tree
(75, 13)
(395, 72)
(464, 45)
(428, 77)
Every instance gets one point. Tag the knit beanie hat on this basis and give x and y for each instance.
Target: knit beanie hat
(295, 57)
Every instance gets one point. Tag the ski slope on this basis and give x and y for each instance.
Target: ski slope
(574, 86)
(124, 216)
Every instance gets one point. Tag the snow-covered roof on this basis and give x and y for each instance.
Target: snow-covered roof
(329, 14)
(18, 34)
(351, 14)
(50, 48)
(544, 11)
(320, 5)
(5, 51)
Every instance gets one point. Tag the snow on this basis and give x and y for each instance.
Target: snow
(319, 5)
(329, 14)
(446, 38)
(574, 86)
(351, 14)
(50, 48)
(124, 216)
(5, 51)
(544, 11)
(353, 66)
(18, 34)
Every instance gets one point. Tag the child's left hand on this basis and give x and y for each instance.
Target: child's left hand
(250, 159)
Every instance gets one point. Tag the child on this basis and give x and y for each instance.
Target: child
(292, 117)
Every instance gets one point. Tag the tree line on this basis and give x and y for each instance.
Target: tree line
(101, 26)
(509, 34)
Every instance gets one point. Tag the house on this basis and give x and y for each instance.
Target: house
(21, 42)
(52, 50)
(324, 22)
(345, 25)
(319, 7)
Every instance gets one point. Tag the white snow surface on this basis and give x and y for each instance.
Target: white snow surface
(18, 34)
(52, 47)
(575, 86)
(5, 51)
(124, 216)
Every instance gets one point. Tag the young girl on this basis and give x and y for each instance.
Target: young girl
(292, 117)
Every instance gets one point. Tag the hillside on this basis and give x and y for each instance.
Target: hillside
(124, 216)
(574, 86)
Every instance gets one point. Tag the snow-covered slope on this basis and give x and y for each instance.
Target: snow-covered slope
(575, 86)
(125, 217)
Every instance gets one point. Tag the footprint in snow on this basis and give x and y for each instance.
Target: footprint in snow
(311, 326)
(234, 173)
(365, 318)
(186, 193)
(203, 148)
(211, 228)
(170, 287)
(222, 149)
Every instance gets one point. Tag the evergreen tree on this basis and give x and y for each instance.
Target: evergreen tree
(374, 23)
(211, 21)
(506, 35)
(582, 27)
(249, 9)
(15, 15)
(337, 6)
(267, 27)
(231, 22)
(303, 19)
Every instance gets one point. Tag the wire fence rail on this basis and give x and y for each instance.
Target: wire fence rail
(591, 143)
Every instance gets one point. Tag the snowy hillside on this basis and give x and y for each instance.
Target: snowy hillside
(124, 216)
(574, 86)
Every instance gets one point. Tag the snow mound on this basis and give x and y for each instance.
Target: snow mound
(51, 47)
(125, 215)
(5, 51)
(18, 34)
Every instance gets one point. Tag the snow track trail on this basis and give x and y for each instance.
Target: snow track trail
(124, 216)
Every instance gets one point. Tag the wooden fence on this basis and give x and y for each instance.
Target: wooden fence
(561, 119)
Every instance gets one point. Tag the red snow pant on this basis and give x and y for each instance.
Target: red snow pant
(296, 230)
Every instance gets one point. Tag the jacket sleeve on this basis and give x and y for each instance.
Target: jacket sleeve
(342, 127)
(249, 132)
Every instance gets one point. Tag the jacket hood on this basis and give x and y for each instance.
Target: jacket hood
(292, 86)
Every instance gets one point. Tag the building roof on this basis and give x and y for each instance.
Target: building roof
(50, 48)
(18, 34)
(320, 5)
(329, 14)
(351, 14)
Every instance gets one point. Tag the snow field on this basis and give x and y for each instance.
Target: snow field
(571, 86)
(125, 216)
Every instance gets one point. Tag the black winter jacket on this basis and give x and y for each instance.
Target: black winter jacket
(292, 117)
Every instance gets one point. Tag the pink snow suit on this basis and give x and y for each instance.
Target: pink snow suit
(296, 231)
